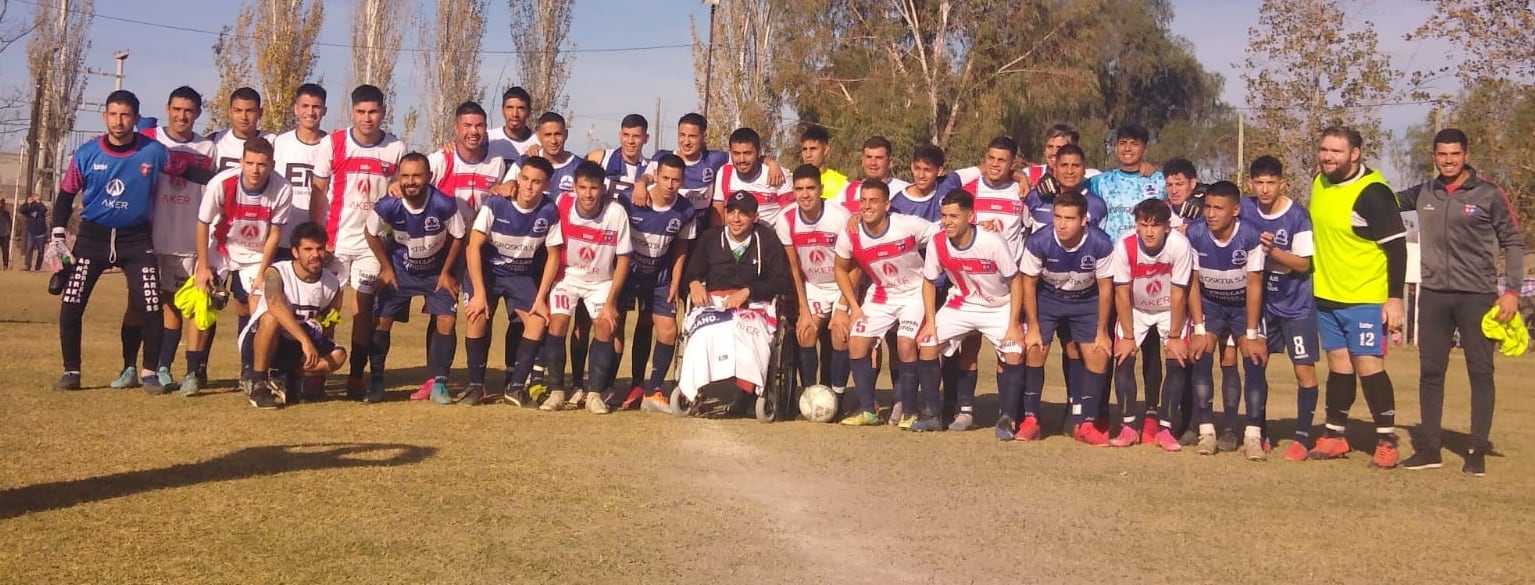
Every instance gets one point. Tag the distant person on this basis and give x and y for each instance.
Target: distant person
(5, 234)
(36, 216)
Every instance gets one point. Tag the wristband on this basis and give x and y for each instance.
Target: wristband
(1200, 329)
(1252, 334)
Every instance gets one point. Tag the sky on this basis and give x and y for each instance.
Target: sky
(607, 81)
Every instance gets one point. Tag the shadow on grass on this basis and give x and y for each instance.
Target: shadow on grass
(242, 464)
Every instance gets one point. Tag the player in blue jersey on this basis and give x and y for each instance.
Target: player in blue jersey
(625, 163)
(1066, 175)
(660, 233)
(1125, 186)
(508, 261)
(1228, 301)
(1289, 305)
(114, 175)
(1067, 283)
(920, 197)
(426, 236)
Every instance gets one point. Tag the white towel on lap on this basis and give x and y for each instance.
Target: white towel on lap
(724, 344)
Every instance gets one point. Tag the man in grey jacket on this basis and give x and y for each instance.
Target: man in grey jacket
(1465, 222)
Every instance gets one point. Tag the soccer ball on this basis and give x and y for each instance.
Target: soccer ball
(818, 403)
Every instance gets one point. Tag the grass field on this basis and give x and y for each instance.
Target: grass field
(105, 486)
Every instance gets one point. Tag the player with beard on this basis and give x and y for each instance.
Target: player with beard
(297, 304)
(746, 172)
(703, 165)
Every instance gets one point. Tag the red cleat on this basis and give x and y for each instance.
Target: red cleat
(1088, 433)
(1149, 430)
(1167, 442)
(1329, 448)
(424, 392)
(356, 389)
(1028, 430)
(632, 402)
(1295, 452)
(1386, 455)
(1126, 437)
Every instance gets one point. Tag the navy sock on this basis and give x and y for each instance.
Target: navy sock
(1033, 390)
(1174, 386)
(554, 361)
(949, 374)
(863, 382)
(639, 349)
(580, 350)
(966, 391)
(197, 362)
(1076, 390)
(841, 368)
(1231, 397)
(928, 374)
(809, 365)
(661, 363)
(1204, 389)
(478, 349)
(1255, 390)
(208, 337)
(170, 340)
(378, 354)
(132, 337)
(442, 351)
(1009, 382)
(604, 363)
(1124, 390)
(511, 339)
(522, 363)
(906, 388)
(1305, 411)
(1094, 381)
(1381, 399)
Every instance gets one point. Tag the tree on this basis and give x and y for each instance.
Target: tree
(232, 58)
(740, 88)
(1497, 36)
(283, 42)
(11, 30)
(452, 66)
(540, 31)
(56, 62)
(376, 35)
(1309, 66)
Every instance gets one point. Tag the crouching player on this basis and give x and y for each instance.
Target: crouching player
(985, 296)
(1067, 283)
(297, 306)
(1289, 305)
(1228, 273)
(426, 234)
(888, 249)
(1151, 277)
(809, 231)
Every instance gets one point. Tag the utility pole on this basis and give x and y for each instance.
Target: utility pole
(655, 139)
(120, 56)
(1241, 144)
(30, 155)
(714, 6)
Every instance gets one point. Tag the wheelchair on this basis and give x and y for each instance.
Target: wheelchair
(779, 397)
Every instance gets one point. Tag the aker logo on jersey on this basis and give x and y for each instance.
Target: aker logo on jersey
(588, 254)
(1154, 287)
(818, 256)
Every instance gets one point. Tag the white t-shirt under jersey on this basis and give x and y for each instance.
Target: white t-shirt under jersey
(228, 148)
(177, 199)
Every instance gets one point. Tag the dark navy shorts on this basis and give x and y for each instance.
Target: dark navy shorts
(395, 301)
(1079, 319)
(1296, 338)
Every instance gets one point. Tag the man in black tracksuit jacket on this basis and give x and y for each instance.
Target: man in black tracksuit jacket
(743, 256)
(1464, 223)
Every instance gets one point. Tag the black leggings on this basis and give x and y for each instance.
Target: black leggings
(96, 250)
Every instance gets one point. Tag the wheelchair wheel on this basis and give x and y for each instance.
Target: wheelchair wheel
(767, 407)
(681, 406)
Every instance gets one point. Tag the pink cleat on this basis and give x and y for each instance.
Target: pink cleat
(424, 392)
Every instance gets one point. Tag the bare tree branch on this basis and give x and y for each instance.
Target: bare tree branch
(540, 31)
(456, 31)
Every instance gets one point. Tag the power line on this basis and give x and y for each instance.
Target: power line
(159, 25)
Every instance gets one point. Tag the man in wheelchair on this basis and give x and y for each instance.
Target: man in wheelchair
(733, 276)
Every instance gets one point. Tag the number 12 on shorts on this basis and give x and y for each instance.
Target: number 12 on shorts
(1367, 339)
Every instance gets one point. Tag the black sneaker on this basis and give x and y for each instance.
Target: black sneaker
(68, 381)
(1228, 441)
(278, 387)
(1190, 437)
(1423, 459)
(261, 397)
(1476, 462)
(474, 395)
(153, 387)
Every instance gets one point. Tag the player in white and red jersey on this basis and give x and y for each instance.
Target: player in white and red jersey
(176, 203)
(512, 141)
(624, 164)
(999, 206)
(594, 247)
(875, 163)
(298, 152)
(238, 232)
(985, 296)
(1151, 265)
(468, 169)
(888, 249)
(747, 173)
(357, 167)
(809, 231)
(244, 124)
